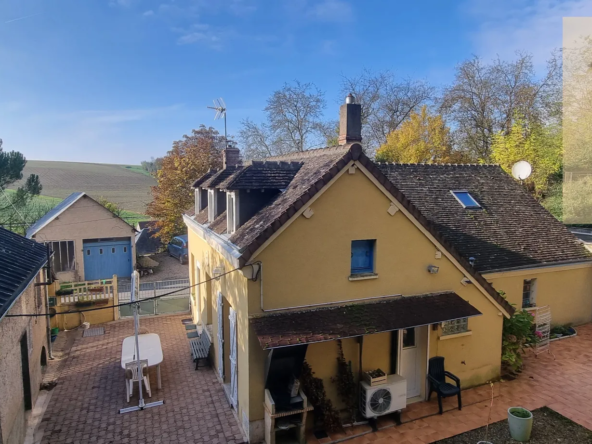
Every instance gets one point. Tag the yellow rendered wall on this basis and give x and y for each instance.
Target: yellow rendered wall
(567, 290)
(233, 287)
(309, 263)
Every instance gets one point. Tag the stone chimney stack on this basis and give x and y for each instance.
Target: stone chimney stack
(231, 157)
(350, 121)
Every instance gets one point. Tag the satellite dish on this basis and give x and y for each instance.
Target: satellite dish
(521, 170)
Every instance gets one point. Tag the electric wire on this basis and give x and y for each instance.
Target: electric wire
(33, 315)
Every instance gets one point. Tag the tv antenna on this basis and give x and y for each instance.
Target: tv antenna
(220, 108)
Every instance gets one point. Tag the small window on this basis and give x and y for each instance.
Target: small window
(88, 252)
(457, 326)
(362, 256)
(125, 249)
(100, 251)
(465, 199)
(409, 338)
(113, 250)
(528, 293)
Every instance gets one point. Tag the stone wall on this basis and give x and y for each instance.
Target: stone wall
(13, 416)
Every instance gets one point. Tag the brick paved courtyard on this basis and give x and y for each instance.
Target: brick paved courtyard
(84, 407)
(561, 381)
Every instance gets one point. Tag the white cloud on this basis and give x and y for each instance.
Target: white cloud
(201, 33)
(148, 13)
(507, 26)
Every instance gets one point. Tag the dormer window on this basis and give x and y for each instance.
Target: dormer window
(465, 199)
(211, 206)
(231, 213)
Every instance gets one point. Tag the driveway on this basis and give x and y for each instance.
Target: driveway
(168, 268)
(560, 380)
(84, 406)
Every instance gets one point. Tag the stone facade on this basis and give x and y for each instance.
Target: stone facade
(13, 412)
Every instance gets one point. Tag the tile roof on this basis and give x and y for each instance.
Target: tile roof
(205, 177)
(263, 175)
(20, 261)
(318, 168)
(217, 178)
(202, 216)
(511, 230)
(53, 213)
(147, 242)
(345, 321)
(219, 225)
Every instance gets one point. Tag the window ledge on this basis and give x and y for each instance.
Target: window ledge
(456, 335)
(363, 276)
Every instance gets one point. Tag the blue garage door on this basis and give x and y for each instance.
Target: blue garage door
(103, 259)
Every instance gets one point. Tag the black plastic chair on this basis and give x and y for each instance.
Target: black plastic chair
(437, 379)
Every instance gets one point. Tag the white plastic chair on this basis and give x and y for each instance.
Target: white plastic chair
(131, 376)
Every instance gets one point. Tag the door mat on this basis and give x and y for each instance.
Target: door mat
(96, 331)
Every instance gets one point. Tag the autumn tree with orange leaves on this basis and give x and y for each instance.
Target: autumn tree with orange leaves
(190, 158)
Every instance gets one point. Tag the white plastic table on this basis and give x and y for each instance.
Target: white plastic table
(150, 349)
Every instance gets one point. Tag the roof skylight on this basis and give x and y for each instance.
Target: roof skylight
(465, 199)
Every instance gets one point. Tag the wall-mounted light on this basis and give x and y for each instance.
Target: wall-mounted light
(433, 269)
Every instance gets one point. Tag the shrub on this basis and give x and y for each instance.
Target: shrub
(517, 332)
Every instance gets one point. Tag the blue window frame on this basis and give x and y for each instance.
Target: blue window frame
(362, 256)
(465, 199)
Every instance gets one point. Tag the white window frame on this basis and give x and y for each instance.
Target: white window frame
(231, 212)
(59, 253)
(533, 288)
(470, 207)
(211, 205)
(455, 326)
(196, 202)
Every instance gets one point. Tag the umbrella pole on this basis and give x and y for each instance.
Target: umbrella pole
(135, 289)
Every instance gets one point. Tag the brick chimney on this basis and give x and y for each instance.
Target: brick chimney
(231, 157)
(350, 121)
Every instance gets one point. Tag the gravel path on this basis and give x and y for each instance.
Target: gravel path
(168, 268)
(548, 427)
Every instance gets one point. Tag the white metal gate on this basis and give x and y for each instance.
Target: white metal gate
(233, 360)
(178, 302)
(220, 306)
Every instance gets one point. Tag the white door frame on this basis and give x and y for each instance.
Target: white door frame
(421, 372)
(233, 357)
(220, 306)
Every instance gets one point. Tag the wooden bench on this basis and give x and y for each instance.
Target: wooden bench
(200, 348)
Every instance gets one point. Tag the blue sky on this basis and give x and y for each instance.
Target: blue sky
(116, 81)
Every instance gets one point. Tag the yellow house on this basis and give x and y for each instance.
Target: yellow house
(400, 262)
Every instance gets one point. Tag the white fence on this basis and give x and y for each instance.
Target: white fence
(176, 301)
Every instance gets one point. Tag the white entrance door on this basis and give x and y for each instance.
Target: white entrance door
(220, 306)
(413, 351)
(233, 360)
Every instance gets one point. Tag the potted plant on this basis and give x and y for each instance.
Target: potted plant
(520, 422)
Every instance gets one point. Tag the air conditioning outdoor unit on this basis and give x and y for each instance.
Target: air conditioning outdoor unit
(385, 398)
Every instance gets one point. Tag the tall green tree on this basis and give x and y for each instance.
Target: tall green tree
(538, 144)
(12, 164)
(190, 158)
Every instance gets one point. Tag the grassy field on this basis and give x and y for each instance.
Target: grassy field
(38, 207)
(126, 185)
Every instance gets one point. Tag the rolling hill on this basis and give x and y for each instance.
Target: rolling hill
(126, 185)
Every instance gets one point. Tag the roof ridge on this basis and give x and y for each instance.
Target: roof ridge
(309, 153)
(440, 164)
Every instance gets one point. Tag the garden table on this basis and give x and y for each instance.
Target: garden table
(150, 349)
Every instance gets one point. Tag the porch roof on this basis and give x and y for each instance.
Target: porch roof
(346, 321)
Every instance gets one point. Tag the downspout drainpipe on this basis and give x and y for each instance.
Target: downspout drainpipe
(47, 317)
